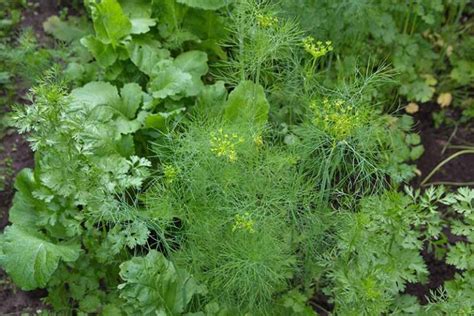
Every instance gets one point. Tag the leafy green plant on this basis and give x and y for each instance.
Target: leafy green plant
(379, 253)
(256, 220)
(208, 158)
(352, 149)
(416, 38)
(152, 284)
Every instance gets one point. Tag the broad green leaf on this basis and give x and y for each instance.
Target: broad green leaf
(23, 210)
(62, 30)
(209, 26)
(146, 55)
(110, 22)
(154, 286)
(132, 96)
(247, 103)
(136, 8)
(205, 4)
(194, 63)
(212, 98)
(169, 81)
(126, 126)
(141, 25)
(160, 120)
(96, 93)
(105, 54)
(417, 152)
(30, 259)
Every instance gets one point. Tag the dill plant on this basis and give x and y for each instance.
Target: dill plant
(345, 141)
(266, 48)
(246, 212)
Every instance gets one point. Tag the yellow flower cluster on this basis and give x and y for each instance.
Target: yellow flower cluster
(317, 49)
(337, 118)
(258, 140)
(223, 145)
(170, 173)
(266, 21)
(243, 222)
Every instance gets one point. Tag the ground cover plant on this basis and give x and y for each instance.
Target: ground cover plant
(246, 157)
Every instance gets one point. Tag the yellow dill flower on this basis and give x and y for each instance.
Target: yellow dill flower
(316, 49)
(258, 140)
(170, 173)
(336, 117)
(223, 145)
(266, 21)
(244, 222)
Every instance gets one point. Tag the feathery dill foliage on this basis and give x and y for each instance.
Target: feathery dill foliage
(344, 140)
(261, 44)
(245, 209)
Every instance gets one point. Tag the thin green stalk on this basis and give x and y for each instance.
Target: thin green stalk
(441, 164)
(454, 184)
(407, 18)
(450, 139)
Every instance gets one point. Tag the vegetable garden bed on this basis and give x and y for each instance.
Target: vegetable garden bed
(237, 157)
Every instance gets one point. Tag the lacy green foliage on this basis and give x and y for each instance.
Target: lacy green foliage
(352, 149)
(242, 209)
(259, 49)
(455, 297)
(83, 140)
(266, 49)
(10, 15)
(84, 158)
(137, 208)
(379, 253)
(417, 37)
(26, 59)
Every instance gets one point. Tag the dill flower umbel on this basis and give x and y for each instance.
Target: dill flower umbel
(169, 173)
(223, 145)
(244, 222)
(336, 117)
(316, 49)
(258, 140)
(266, 21)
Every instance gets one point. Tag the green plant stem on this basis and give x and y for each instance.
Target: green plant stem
(441, 164)
(450, 139)
(407, 18)
(457, 184)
